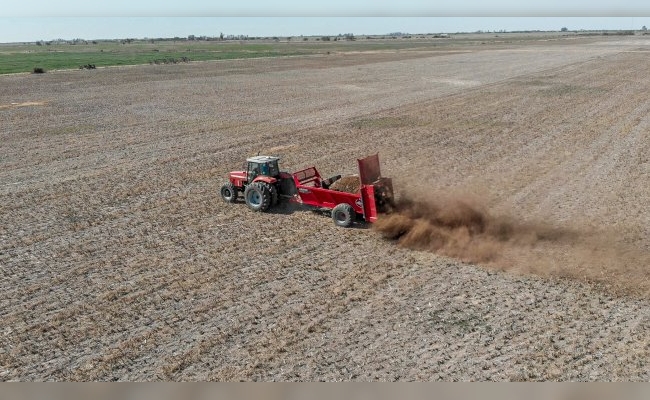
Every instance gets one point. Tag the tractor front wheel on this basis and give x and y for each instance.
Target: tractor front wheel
(343, 215)
(257, 196)
(229, 192)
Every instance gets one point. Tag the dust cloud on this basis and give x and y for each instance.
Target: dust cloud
(463, 228)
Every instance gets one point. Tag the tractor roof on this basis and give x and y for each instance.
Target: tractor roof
(262, 159)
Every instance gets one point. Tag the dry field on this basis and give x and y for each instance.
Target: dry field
(119, 261)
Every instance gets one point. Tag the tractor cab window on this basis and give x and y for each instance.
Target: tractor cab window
(273, 169)
(253, 170)
(266, 168)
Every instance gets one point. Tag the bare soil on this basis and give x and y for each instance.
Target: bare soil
(119, 260)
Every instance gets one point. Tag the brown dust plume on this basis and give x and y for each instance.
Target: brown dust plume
(462, 228)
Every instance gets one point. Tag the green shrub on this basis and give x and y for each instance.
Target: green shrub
(38, 70)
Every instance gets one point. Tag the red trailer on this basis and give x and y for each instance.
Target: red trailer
(375, 192)
(263, 189)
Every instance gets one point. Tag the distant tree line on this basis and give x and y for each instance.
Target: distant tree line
(325, 38)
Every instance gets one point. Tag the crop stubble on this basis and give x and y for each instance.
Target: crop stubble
(120, 262)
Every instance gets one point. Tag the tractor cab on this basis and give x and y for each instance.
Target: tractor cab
(261, 166)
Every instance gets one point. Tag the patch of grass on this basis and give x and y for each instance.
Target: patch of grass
(458, 322)
(23, 57)
(385, 122)
(67, 130)
(551, 87)
(562, 89)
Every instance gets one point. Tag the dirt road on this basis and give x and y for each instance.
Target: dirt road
(120, 262)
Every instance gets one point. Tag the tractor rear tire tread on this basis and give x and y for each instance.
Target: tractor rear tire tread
(274, 193)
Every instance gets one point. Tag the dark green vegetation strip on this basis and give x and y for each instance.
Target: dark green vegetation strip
(26, 57)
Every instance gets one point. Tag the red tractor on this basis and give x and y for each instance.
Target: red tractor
(263, 184)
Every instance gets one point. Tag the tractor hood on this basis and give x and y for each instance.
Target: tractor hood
(238, 174)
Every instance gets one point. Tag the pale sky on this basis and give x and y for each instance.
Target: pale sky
(33, 20)
(336, 8)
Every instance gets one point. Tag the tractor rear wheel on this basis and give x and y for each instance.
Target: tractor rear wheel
(343, 215)
(274, 193)
(229, 192)
(257, 196)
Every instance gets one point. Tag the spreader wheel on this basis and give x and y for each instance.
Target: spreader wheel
(229, 192)
(257, 196)
(343, 215)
